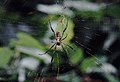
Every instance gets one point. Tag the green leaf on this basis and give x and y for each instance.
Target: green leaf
(28, 41)
(114, 11)
(76, 56)
(97, 15)
(87, 63)
(5, 55)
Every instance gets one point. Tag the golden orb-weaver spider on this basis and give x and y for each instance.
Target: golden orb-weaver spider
(58, 40)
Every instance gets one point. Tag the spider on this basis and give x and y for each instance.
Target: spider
(58, 40)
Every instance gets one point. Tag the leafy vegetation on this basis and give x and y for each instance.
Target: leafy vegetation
(79, 62)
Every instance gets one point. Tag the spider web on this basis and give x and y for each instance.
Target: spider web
(85, 35)
(90, 34)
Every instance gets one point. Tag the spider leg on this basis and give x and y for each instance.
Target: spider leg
(51, 27)
(58, 70)
(48, 49)
(65, 53)
(65, 28)
(69, 46)
(64, 38)
(53, 54)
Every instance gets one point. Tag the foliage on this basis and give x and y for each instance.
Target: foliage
(96, 15)
(40, 21)
(5, 56)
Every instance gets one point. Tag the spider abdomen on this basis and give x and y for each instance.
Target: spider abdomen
(58, 43)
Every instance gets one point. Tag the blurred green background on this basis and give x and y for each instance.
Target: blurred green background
(93, 33)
